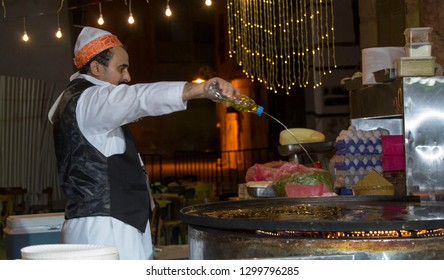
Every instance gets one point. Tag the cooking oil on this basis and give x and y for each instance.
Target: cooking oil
(243, 103)
(294, 136)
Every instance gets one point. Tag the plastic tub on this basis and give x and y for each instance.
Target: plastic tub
(415, 66)
(35, 229)
(418, 35)
(418, 49)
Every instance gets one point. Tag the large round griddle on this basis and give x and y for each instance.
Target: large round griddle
(341, 213)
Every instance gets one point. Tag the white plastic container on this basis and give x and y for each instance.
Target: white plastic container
(415, 66)
(35, 229)
(418, 35)
(418, 49)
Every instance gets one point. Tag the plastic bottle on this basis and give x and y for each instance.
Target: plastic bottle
(241, 103)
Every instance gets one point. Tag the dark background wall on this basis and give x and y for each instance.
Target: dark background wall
(176, 48)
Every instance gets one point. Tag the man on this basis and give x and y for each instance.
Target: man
(100, 170)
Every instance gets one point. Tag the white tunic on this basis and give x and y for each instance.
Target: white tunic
(100, 112)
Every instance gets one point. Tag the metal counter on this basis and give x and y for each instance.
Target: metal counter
(413, 107)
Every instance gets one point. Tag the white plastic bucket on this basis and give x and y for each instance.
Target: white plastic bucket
(69, 252)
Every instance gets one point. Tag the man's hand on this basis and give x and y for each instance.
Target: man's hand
(195, 91)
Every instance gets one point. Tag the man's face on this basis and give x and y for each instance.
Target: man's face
(117, 70)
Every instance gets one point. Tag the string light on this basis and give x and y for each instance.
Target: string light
(59, 34)
(59, 30)
(4, 8)
(130, 18)
(100, 21)
(25, 36)
(168, 12)
(281, 51)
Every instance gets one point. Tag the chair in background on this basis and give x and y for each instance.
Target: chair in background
(170, 197)
(19, 194)
(7, 202)
(45, 196)
(155, 224)
(173, 229)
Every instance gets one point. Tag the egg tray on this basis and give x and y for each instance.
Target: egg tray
(362, 147)
(357, 162)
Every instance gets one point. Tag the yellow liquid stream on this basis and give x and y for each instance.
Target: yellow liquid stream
(292, 134)
(243, 103)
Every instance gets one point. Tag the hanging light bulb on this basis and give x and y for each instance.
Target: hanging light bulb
(25, 36)
(208, 2)
(130, 18)
(100, 21)
(59, 33)
(59, 30)
(168, 12)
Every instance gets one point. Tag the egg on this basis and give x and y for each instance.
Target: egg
(368, 134)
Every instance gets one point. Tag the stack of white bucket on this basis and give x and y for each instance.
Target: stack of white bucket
(69, 252)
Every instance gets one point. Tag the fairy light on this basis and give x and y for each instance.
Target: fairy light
(168, 11)
(208, 2)
(296, 48)
(25, 36)
(100, 21)
(130, 18)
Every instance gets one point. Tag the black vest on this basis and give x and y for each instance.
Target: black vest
(96, 185)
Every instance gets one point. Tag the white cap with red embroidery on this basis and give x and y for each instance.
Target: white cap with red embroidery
(92, 41)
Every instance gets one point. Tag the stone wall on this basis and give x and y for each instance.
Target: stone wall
(432, 14)
(417, 13)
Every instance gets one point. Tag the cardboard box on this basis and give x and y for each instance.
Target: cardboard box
(36, 229)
